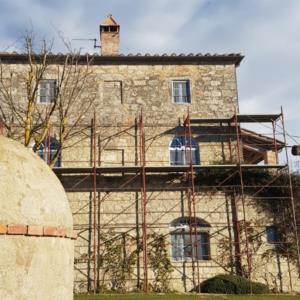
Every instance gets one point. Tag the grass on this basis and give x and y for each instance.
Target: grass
(184, 297)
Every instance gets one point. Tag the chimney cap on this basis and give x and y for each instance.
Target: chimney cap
(110, 21)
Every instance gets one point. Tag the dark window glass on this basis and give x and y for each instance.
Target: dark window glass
(272, 234)
(181, 91)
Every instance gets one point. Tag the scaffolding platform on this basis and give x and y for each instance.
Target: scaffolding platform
(159, 169)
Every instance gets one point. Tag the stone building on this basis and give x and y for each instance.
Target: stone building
(165, 159)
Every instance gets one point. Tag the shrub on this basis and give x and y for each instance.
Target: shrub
(232, 284)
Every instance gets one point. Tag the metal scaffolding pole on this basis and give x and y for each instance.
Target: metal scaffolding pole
(242, 195)
(143, 200)
(94, 144)
(191, 202)
(294, 218)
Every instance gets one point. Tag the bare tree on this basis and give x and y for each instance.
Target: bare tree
(24, 117)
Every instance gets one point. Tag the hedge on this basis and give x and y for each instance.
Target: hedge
(232, 284)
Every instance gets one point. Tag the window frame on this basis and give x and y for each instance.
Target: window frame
(275, 233)
(43, 152)
(195, 149)
(182, 80)
(52, 98)
(180, 228)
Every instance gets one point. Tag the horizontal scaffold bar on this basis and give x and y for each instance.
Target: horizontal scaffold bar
(158, 169)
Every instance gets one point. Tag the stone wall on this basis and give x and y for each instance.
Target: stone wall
(213, 92)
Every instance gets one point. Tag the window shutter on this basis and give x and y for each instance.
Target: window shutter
(187, 246)
(176, 91)
(177, 246)
(173, 153)
(184, 86)
(203, 245)
(187, 92)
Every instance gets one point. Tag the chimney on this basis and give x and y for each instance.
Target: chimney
(110, 37)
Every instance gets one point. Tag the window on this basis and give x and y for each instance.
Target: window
(181, 153)
(185, 246)
(48, 150)
(272, 234)
(181, 91)
(47, 91)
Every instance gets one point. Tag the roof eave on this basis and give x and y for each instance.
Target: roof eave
(11, 58)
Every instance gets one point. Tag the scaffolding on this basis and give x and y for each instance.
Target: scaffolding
(148, 180)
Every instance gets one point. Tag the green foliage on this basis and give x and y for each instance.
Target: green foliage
(159, 263)
(271, 197)
(116, 261)
(232, 284)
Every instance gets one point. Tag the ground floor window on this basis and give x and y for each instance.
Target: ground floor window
(186, 245)
(272, 234)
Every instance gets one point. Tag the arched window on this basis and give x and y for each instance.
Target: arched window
(184, 245)
(180, 151)
(48, 149)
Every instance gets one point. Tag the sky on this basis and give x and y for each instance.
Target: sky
(267, 32)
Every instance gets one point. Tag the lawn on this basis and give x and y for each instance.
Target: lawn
(184, 297)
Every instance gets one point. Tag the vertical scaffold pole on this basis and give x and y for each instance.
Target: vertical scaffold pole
(194, 225)
(144, 199)
(291, 194)
(191, 201)
(48, 147)
(94, 151)
(188, 195)
(242, 194)
(274, 140)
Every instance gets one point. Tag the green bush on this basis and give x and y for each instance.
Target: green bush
(232, 284)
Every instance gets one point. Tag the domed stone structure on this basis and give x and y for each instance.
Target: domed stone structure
(36, 228)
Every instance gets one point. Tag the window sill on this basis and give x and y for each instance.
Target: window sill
(44, 103)
(181, 103)
(189, 260)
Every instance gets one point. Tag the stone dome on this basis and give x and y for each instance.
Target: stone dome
(36, 228)
(30, 193)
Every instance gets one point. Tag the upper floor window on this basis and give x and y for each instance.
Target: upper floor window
(181, 91)
(46, 91)
(48, 151)
(272, 234)
(186, 245)
(183, 150)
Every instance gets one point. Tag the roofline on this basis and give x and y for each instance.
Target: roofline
(132, 59)
(247, 132)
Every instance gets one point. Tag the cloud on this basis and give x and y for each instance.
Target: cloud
(267, 32)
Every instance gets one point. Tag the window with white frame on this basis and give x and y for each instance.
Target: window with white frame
(46, 91)
(183, 150)
(49, 150)
(187, 245)
(181, 91)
